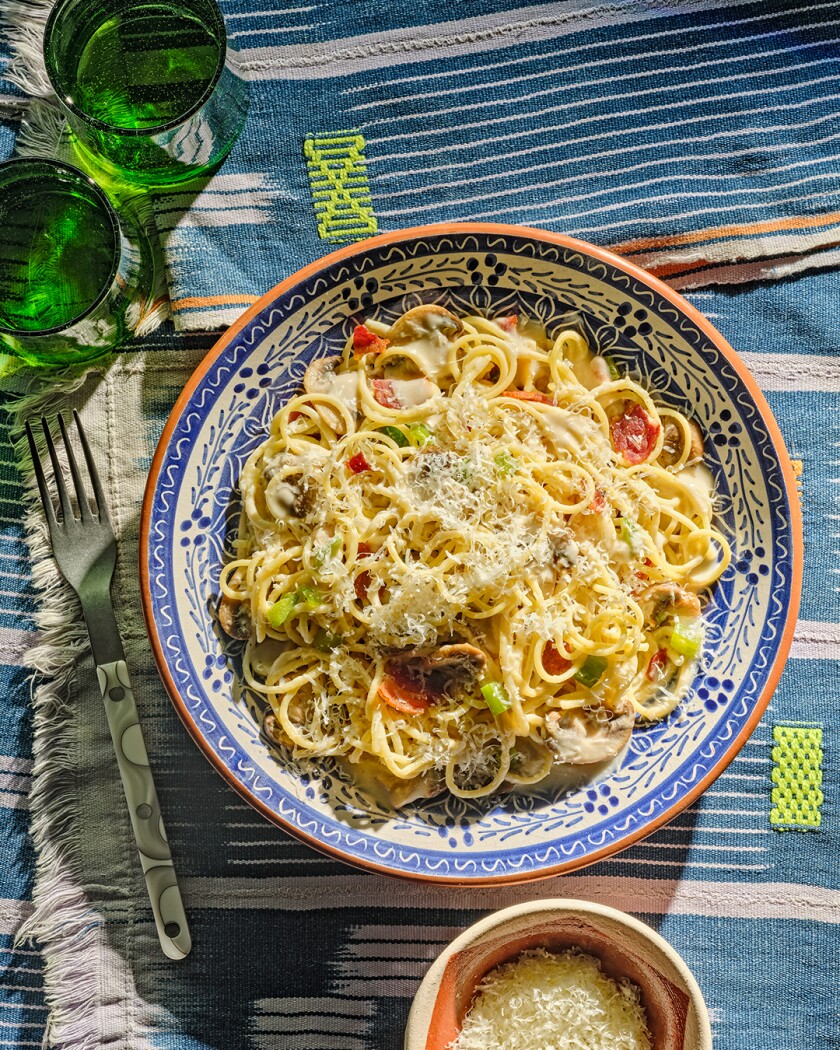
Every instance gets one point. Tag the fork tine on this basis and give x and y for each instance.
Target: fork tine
(61, 488)
(101, 504)
(81, 495)
(46, 499)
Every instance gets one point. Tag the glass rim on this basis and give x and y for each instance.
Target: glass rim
(68, 169)
(156, 129)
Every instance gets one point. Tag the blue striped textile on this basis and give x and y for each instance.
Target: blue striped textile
(692, 136)
(294, 951)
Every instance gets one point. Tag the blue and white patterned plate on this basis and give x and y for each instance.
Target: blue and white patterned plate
(191, 508)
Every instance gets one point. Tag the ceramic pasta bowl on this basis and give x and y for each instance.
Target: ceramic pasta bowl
(191, 510)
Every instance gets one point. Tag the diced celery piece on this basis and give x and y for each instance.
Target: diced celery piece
(496, 697)
(396, 435)
(310, 596)
(591, 670)
(325, 642)
(686, 636)
(420, 435)
(505, 463)
(328, 551)
(613, 367)
(281, 610)
(632, 536)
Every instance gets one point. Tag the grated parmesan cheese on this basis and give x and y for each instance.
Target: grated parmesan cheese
(562, 1001)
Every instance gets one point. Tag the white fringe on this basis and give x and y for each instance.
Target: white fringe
(27, 20)
(42, 132)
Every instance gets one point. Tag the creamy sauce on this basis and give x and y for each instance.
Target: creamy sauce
(344, 387)
(567, 431)
(698, 479)
(428, 347)
(413, 392)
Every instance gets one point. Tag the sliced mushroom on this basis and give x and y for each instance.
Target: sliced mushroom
(271, 728)
(423, 321)
(666, 599)
(321, 378)
(234, 614)
(439, 671)
(673, 442)
(530, 762)
(584, 737)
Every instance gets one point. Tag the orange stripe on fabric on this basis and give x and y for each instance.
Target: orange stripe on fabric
(669, 269)
(214, 300)
(799, 222)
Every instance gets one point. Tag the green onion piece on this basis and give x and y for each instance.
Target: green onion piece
(506, 463)
(613, 368)
(463, 471)
(327, 552)
(686, 636)
(419, 435)
(396, 435)
(496, 697)
(631, 536)
(281, 610)
(325, 642)
(310, 596)
(591, 670)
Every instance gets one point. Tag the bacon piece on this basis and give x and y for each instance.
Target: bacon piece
(552, 660)
(634, 433)
(383, 393)
(599, 502)
(656, 667)
(403, 697)
(367, 342)
(508, 323)
(362, 584)
(530, 395)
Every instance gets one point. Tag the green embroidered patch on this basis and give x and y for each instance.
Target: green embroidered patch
(339, 185)
(797, 777)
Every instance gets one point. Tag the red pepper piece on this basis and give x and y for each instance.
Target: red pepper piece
(358, 464)
(634, 433)
(383, 393)
(367, 342)
(530, 395)
(402, 697)
(656, 667)
(553, 661)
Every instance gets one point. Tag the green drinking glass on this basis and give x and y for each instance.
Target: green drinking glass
(75, 276)
(152, 91)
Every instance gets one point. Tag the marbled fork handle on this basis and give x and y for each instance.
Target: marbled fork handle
(85, 550)
(144, 809)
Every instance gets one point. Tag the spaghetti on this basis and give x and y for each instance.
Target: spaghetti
(468, 553)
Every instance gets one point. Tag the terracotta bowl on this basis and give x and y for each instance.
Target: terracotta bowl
(677, 1015)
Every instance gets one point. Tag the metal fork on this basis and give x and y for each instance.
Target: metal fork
(86, 552)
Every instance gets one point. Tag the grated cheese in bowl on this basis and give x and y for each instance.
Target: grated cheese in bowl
(560, 1001)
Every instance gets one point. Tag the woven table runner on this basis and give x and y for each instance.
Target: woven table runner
(697, 137)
